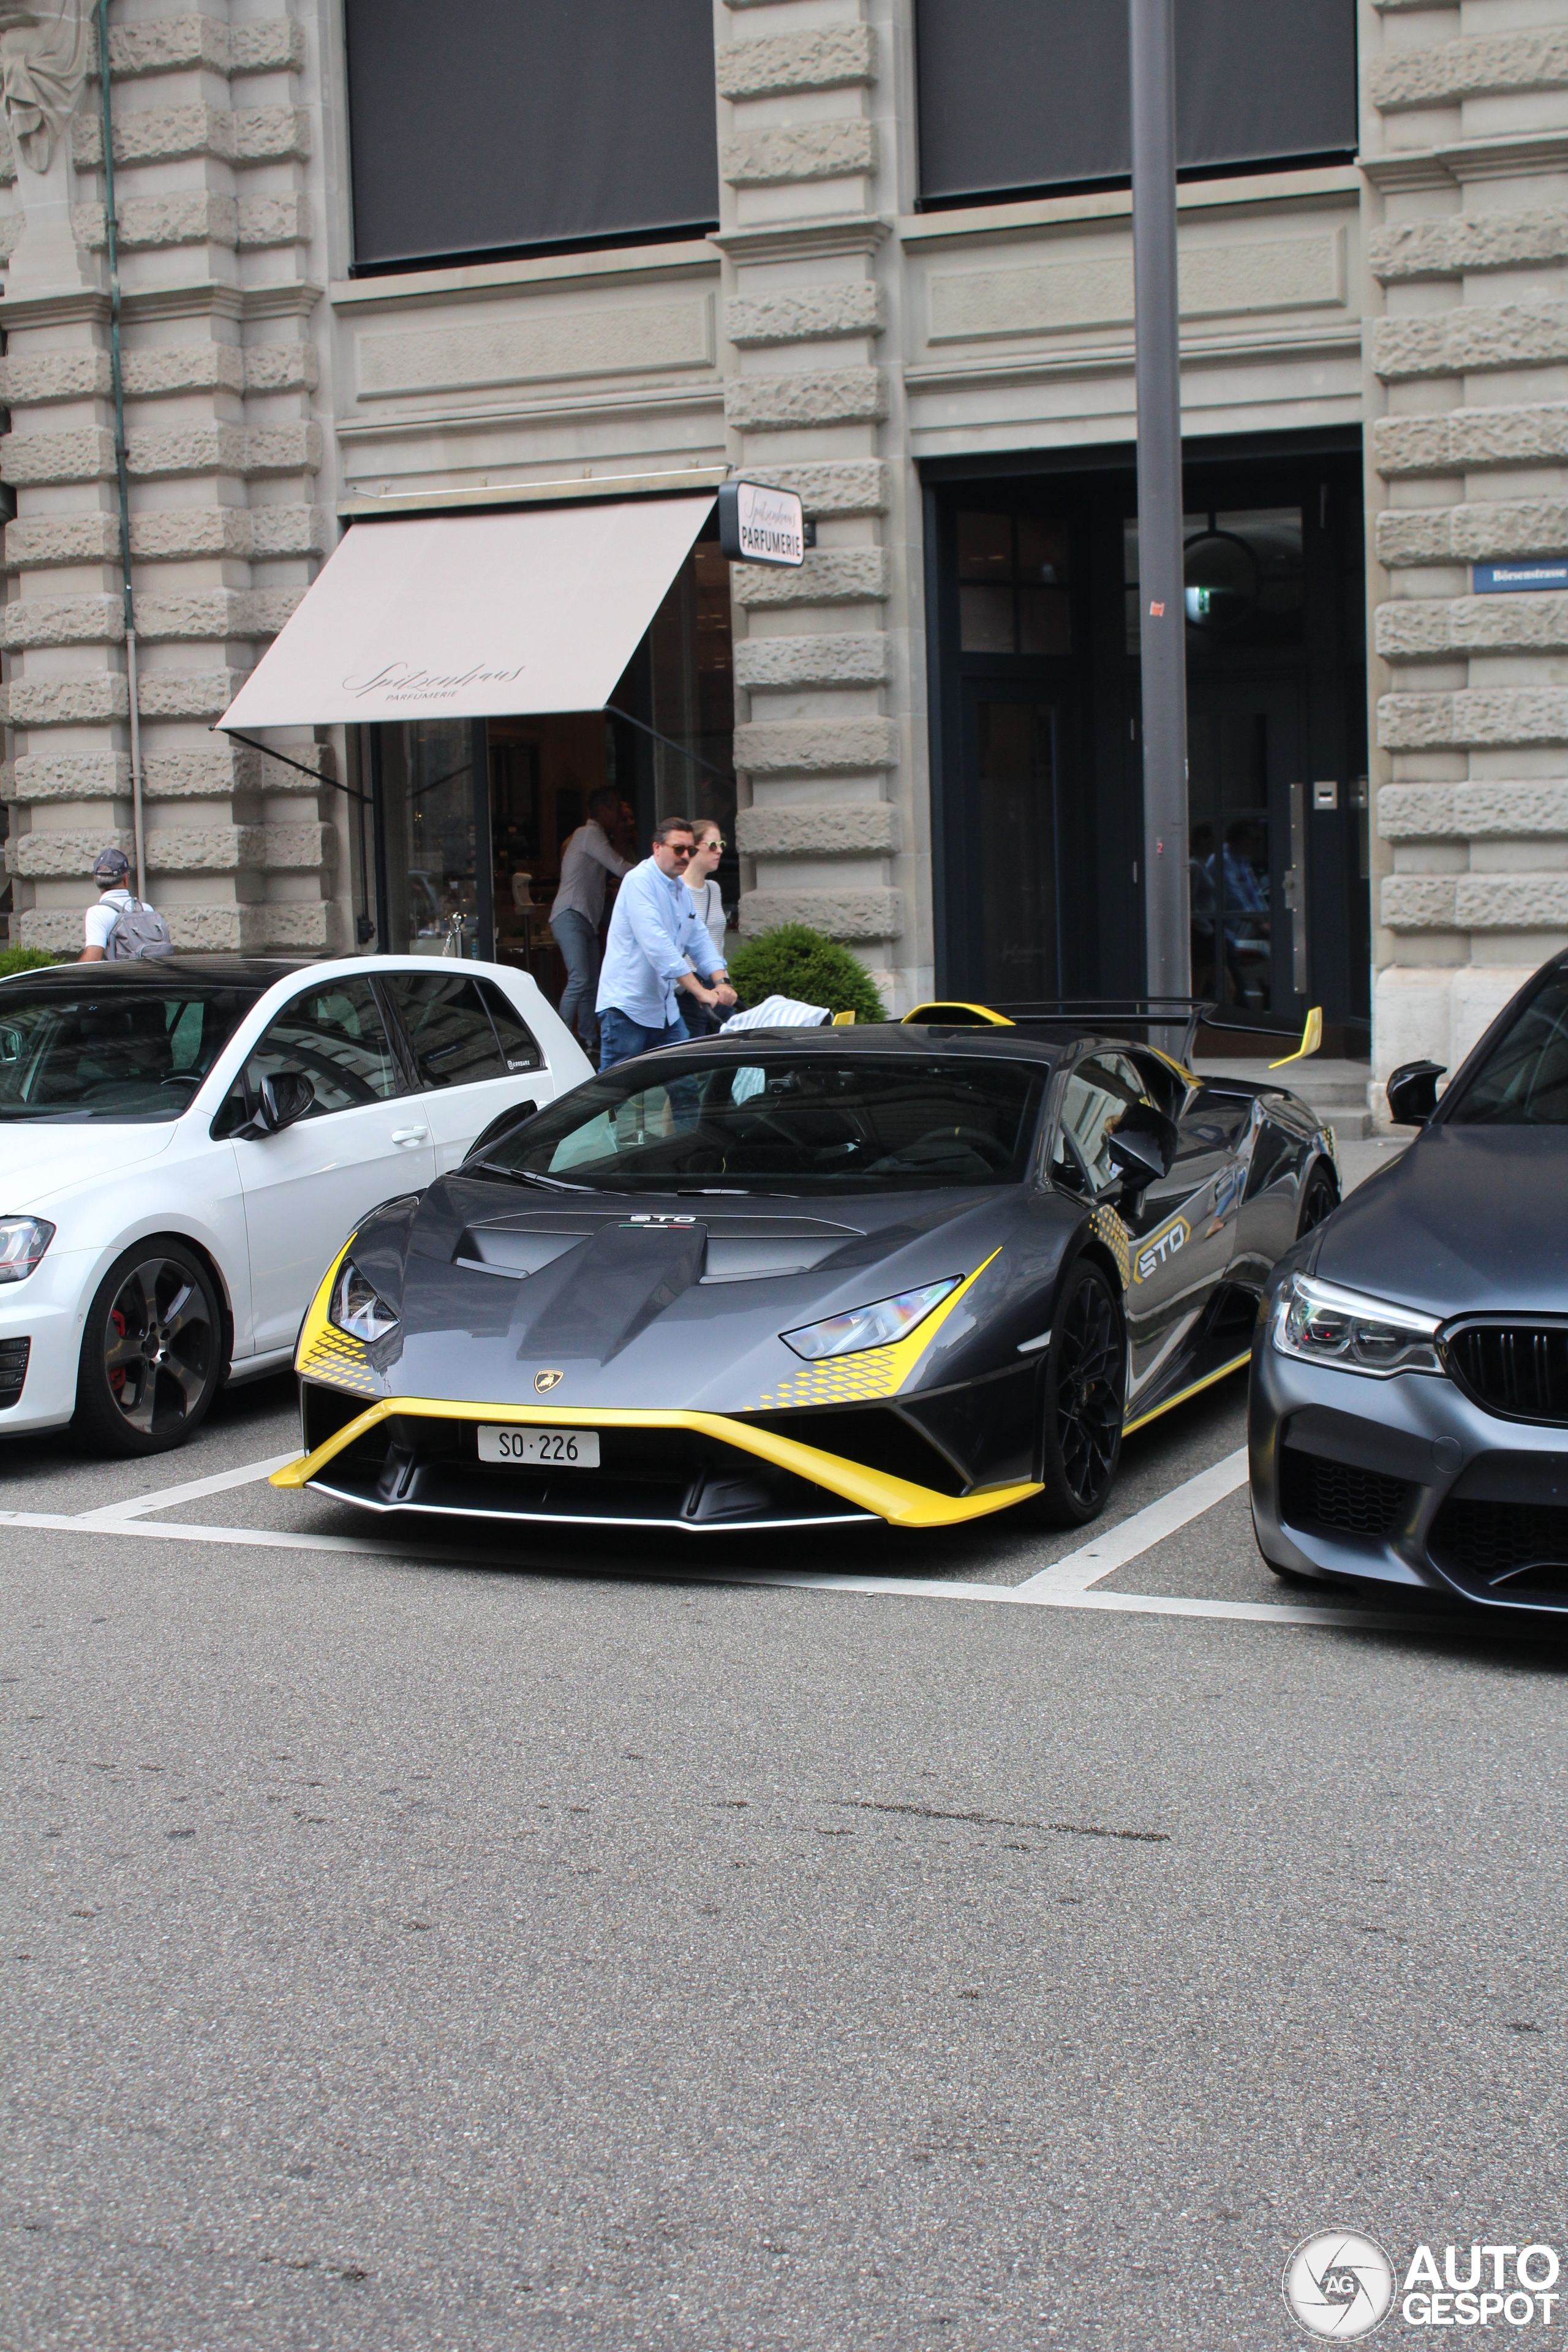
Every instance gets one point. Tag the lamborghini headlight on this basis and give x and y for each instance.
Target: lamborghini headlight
(1320, 1324)
(869, 1326)
(359, 1309)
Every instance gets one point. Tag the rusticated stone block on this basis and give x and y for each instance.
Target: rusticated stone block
(68, 702)
(298, 927)
(48, 855)
(184, 367)
(300, 848)
(216, 615)
(778, 404)
(806, 151)
(817, 747)
(192, 216)
(837, 57)
(271, 134)
(63, 621)
(170, 134)
(1416, 812)
(32, 460)
(204, 849)
(1525, 527)
(814, 314)
(830, 575)
(188, 694)
(280, 367)
(1425, 629)
(1469, 340)
(1417, 902)
(54, 375)
(1479, 715)
(861, 657)
(209, 774)
(274, 220)
(158, 453)
(286, 531)
(1466, 242)
(849, 485)
(1414, 535)
(1483, 67)
(69, 776)
(198, 43)
(835, 829)
(1511, 902)
(34, 540)
(1467, 438)
(862, 914)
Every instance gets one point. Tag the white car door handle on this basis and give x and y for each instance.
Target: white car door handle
(411, 1135)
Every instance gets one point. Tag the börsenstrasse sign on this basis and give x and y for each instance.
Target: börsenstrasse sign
(1499, 579)
(759, 525)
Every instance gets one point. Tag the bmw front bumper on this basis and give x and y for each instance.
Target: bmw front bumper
(1405, 1481)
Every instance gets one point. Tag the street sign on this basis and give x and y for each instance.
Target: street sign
(1502, 579)
(760, 525)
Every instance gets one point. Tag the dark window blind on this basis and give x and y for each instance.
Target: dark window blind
(1034, 93)
(488, 124)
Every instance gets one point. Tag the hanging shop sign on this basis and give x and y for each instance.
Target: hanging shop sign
(758, 524)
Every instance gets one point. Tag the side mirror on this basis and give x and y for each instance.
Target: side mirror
(285, 1098)
(1137, 1157)
(1413, 1092)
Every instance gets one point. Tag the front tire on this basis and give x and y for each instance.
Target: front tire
(1086, 1378)
(152, 1354)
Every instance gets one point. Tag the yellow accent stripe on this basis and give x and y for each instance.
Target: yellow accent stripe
(1311, 1038)
(317, 1325)
(1128, 1427)
(868, 1372)
(898, 1500)
(924, 1014)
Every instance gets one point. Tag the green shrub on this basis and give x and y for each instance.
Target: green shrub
(28, 959)
(794, 960)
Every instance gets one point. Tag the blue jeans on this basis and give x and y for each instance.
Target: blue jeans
(620, 1036)
(578, 940)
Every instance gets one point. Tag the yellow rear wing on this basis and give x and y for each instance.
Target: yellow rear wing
(1311, 1038)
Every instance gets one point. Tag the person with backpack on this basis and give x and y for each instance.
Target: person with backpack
(120, 928)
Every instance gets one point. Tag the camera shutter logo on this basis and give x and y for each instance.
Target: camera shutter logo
(1339, 2284)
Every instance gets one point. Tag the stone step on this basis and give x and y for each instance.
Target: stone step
(1336, 1090)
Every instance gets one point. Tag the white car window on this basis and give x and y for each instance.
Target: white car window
(334, 1036)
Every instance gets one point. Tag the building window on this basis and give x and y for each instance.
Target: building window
(1023, 95)
(1013, 595)
(489, 128)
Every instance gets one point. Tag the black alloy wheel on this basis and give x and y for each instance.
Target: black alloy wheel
(1321, 1198)
(152, 1354)
(1086, 1380)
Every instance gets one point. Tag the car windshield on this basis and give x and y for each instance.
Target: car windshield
(1523, 1081)
(111, 1053)
(783, 1120)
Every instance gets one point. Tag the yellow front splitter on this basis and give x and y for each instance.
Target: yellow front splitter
(898, 1500)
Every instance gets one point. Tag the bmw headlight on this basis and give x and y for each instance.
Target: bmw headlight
(23, 1240)
(1322, 1324)
(869, 1327)
(358, 1308)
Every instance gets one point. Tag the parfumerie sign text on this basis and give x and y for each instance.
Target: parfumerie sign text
(759, 525)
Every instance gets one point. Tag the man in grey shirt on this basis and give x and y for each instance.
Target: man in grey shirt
(578, 908)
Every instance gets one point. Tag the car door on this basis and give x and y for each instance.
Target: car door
(366, 1138)
(474, 1054)
(1186, 1226)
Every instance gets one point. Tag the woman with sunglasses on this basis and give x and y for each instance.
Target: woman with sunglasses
(708, 849)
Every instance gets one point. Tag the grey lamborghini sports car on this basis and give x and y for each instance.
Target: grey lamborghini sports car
(799, 1277)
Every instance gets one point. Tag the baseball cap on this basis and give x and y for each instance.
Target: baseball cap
(110, 866)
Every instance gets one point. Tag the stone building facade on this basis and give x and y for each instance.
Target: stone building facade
(830, 335)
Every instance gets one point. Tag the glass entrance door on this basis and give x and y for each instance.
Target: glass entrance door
(1012, 864)
(1243, 755)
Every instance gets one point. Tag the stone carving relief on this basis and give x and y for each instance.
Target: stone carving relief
(46, 49)
(44, 57)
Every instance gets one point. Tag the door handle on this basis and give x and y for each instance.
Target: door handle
(411, 1135)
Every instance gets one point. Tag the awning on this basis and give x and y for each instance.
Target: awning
(469, 615)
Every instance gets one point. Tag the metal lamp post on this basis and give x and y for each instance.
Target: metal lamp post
(1162, 611)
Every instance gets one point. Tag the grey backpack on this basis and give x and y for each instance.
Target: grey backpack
(137, 931)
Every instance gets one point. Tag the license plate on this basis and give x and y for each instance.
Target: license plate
(557, 1449)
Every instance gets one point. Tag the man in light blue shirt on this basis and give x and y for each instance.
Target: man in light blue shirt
(656, 935)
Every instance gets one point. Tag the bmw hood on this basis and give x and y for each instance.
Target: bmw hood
(41, 1161)
(648, 1302)
(1467, 1218)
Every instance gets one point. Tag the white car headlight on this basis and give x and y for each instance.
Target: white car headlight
(1318, 1323)
(359, 1309)
(869, 1327)
(23, 1240)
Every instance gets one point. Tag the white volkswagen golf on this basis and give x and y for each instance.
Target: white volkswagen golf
(183, 1145)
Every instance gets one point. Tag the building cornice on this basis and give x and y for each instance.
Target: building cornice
(820, 236)
(1501, 155)
(689, 257)
(1325, 183)
(558, 490)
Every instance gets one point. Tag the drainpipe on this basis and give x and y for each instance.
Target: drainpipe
(120, 461)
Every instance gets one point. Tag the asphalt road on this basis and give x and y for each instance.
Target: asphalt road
(552, 1945)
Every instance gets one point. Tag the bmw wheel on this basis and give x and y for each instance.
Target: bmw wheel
(152, 1354)
(1086, 1376)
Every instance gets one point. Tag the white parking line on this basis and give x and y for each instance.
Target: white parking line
(220, 1481)
(1104, 1553)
